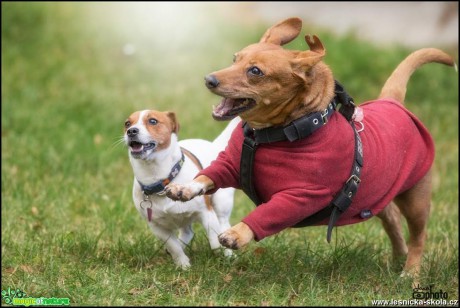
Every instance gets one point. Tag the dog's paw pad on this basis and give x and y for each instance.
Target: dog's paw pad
(228, 242)
(173, 192)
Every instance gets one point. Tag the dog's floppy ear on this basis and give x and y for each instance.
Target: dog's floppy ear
(283, 32)
(175, 124)
(307, 59)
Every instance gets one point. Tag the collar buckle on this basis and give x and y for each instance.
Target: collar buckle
(162, 193)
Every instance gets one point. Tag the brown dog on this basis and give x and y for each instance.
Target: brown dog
(272, 88)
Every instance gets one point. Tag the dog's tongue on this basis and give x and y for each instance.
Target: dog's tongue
(227, 109)
(136, 146)
(224, 107)
(231, 107)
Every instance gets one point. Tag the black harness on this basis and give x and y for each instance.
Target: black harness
(296, 130)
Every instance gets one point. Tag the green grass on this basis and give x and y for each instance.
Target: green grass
(69, 228)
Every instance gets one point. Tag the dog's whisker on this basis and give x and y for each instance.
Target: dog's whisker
(118, 142)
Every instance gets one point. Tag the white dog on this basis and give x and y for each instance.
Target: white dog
(158, 158)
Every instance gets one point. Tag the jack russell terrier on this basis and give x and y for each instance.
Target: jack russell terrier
(158, 158)
(303, 160)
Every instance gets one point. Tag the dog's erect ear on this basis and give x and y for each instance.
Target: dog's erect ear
(175, 124)
(307, 59)
(283, 32)
(315, 44)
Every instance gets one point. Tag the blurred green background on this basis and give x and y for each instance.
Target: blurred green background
(73, 72)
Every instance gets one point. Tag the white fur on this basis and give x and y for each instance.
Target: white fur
(170, 216)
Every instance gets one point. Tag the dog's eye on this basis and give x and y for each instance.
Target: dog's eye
(254, 70)
(234, 58)
(153, 121)
(127, 124)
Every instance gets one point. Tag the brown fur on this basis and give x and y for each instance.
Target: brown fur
(295, 83)
(395, 86)
(166, 125)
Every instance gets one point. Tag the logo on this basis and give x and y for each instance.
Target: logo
(428, 293)
(9, 295)
(18, 298)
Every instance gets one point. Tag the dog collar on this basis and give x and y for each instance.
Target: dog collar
(159, 186)
(308, 124)
(297, 129)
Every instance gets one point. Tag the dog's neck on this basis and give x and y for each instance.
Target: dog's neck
(159, 164)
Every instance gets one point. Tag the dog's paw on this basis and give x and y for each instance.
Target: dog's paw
(182, 263)
(184, 192)
(225, 252)
(410, 276)
(237, 236)
(228, 253)
(229, 240)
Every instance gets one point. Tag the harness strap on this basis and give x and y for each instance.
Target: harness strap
(246, 165)
(343, 199)
(347, 105)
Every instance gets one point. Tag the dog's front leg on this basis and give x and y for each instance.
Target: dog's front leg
(237, 236)
(186, 192)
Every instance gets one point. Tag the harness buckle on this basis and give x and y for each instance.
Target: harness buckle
(355, 178)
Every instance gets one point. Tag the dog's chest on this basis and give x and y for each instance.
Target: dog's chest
(165, 212)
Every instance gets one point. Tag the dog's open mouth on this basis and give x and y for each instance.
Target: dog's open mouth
(231, 107)
(138, 148)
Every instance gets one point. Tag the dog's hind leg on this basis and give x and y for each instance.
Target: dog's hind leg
(391, 221)
(415, 205)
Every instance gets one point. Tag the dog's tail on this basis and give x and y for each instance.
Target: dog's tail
(395, 86)
(222, 140)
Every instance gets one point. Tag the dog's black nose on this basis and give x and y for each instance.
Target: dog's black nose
(211, 81)
(133, 131)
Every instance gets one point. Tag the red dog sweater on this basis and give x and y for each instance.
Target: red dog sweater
(296, 179)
